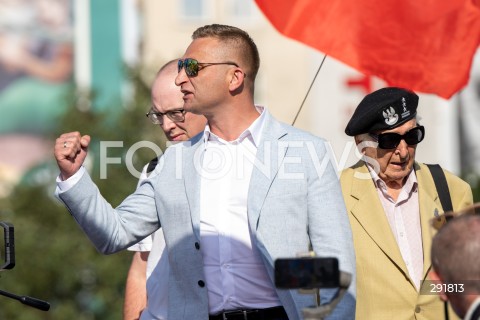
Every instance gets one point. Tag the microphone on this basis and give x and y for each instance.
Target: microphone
(29, 301)
(10, 263)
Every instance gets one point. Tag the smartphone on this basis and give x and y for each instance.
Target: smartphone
(307, 273)
(7, 248)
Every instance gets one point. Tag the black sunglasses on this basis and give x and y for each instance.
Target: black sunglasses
(192, 66)
(391, 140)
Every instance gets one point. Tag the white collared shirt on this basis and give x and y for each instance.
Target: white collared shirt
(475, 304)
(234, 272)
(157, 270)
(404, 218)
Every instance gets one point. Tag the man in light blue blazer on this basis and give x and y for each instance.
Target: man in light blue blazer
(241, 194)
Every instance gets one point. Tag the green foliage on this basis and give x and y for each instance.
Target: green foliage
(473, 179)
(54, 260)
(475, 184)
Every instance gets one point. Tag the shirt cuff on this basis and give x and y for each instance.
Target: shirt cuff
(65, 185)
(143, 246)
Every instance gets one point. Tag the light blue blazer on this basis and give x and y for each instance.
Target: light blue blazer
(294, 201)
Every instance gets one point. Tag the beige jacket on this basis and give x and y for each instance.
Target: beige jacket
(384, 288)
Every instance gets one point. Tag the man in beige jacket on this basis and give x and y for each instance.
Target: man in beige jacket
(390, 199)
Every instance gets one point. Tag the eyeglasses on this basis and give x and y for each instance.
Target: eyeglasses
(174, 115)
(192, 66)
(390, 140)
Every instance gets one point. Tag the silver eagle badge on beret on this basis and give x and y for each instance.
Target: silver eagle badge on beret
(390, 116)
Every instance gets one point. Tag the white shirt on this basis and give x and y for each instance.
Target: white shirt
(404, 218)
(157, 271)
(234, 272)
(475, 304)
(146, 244)
(157, 280)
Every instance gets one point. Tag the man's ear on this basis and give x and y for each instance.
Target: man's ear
(360, 146)
(237, 79)
(435, 278)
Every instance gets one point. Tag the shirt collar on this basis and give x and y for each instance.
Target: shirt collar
(472, 309)
(253, 132)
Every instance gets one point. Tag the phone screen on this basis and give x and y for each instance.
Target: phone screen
(307, 273)
(7, 246)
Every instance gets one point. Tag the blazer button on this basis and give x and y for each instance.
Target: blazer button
(418, 309)
(197, 245)
(201, 284)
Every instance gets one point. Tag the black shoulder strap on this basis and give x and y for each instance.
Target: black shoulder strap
(442, 186)
(151, 165)
(444, 194)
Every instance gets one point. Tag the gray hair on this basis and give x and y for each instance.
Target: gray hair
(456, 252)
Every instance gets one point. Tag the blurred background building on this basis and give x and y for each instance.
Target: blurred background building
(89, 43)
(68, 65)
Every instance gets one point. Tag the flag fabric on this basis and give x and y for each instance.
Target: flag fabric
(426, 46)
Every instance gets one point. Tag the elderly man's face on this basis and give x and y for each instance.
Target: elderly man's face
(395, 164)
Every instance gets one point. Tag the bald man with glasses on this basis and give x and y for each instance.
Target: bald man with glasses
(146, 292)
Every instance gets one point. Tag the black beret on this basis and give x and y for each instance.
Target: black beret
(383, 109)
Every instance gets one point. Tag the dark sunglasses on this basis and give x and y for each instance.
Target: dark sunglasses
(192, 66)
(391, 140)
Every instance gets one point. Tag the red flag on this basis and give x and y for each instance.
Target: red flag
(426, 45)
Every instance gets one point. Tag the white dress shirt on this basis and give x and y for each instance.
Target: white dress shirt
(234, 272)
(471, 310)
(157, 280)
(157, 271)
(404, 218)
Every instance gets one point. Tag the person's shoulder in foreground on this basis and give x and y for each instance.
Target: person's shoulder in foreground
(458, 283)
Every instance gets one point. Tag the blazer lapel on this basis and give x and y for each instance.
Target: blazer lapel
(369, 212)
(429, 208)
(192, 180)
(265, 169)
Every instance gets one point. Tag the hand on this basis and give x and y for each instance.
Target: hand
(70, 152)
